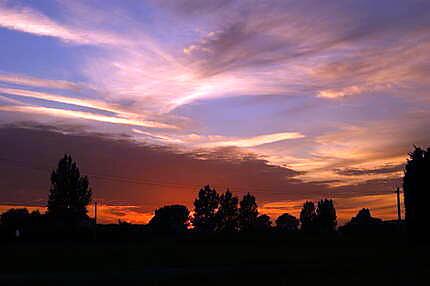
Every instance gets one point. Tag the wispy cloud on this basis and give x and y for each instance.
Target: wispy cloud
(254, 141)
(213, 141)
(84, 115)
(120, 115)
(39, 82)
(386, 169)
(61, 99)
(340, 93)
(28, 20)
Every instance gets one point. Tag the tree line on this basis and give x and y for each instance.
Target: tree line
(214, 212)
(70, 194)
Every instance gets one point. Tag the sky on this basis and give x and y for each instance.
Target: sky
(288, 100)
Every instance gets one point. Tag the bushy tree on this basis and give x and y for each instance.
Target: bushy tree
(308, 217)
(363, 224)
(364, 217)
(19, 221)
(15, 218)
(248, 213)
(170, 219)
(228, 213)
(287, 222)
(263, 223)
(326, 216)
(70, 192)
(416, 187)
(205, 207)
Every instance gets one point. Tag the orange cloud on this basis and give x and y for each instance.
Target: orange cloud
(105, 213)
(114, 213)
(381, 206)
(332, 93)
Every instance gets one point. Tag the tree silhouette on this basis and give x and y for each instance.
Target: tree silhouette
(70, 193)
(326, 216)
(287, 222)
(248, 213)
(362, 224)
(364, 217)
(416, 187)
(228, 213)
(170, 219)
(205, 207)
(308, 217)
(15, 217)
(263, 223)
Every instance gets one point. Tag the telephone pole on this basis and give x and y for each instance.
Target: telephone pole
(95, 212)
(95, 221)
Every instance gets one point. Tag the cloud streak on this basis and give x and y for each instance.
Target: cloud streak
(256, 140)
(61, 99)
(38, 82)
(27, 20)
(216, 141)
(83, 115)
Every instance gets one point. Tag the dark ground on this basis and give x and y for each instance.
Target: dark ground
(166, 261)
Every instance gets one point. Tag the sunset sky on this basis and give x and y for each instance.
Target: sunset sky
(287, 100)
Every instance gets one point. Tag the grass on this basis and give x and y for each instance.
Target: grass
(213, 262)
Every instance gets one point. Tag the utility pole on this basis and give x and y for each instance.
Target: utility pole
(95, 212)
(95, 220)
(399, 213)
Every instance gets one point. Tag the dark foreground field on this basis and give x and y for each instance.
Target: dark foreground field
(214, 262)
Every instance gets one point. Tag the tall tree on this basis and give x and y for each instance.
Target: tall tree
(326, 216)
(170, 219)
(416, 187)
(205, 207)
(228, 213)
(70, 192)
(287, 222)
(308, 217)
(248, 213)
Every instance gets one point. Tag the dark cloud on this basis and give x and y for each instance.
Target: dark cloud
(126, 172)
(62, 128)
(368, 188)
(139, 178)
(359, 172)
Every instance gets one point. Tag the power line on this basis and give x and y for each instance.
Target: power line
(127, 180)
(122, 179)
